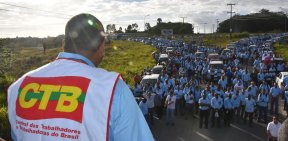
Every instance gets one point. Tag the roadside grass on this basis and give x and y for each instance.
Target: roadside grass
(125, 57)
(128, 58)
(218, 39)
(4, 123)
(27, 59)
(221, 40)
(281, 49)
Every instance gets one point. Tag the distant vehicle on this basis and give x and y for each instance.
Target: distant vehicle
(149, 79)
(200, 55)
(170, 49)
(226, 53)
(157, 69)
(280, 78)
(213, 57)
(215, 70)
(163, 58)
(278, 60)
(267, 49)
(231, 46)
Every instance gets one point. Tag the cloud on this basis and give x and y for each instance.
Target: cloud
(43, 18)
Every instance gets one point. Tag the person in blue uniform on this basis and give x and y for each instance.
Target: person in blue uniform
(228, 110)
(216, 105)
(249, 109)
(204, 104)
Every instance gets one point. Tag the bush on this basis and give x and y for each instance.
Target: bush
(240, 35)
(4, 123)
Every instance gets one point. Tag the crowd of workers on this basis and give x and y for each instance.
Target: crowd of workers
(245, 90)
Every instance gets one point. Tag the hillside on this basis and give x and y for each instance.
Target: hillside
(262, 22)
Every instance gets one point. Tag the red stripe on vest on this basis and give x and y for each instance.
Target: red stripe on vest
(110, 105)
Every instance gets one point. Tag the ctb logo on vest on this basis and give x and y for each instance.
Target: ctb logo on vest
(52, 97)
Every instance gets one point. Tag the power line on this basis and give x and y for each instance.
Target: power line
(34, 13)
(4, 9)
(25, 7)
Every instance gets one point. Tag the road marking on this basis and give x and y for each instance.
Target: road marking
(253, 135)
(181, 139)
(203, 136)
(260, 124)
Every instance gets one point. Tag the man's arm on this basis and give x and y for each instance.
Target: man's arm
(127, 122)
(268, 131)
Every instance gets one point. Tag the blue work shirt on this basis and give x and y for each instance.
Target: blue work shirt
(249, 105)
(228, 103)
(285, 80)
(236, 101)
(263, 100)
(127, 122)
(203, 101)
(265, 87)
(197, 95)
(286, 96)
(144, 107)
(275, 91)
(253, 90)
(216, 103)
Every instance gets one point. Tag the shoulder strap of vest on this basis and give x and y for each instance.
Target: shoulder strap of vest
(110, 105)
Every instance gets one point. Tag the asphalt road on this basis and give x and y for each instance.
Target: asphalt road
(188, 130)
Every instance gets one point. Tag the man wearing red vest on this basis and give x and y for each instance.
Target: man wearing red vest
(71, 99)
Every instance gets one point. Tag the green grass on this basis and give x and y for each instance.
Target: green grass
(282, 50)
(128, 58)
(2, 99)
(219, 39)
(4, 123)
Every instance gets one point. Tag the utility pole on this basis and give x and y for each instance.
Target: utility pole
(213, 28)
(145, 22)
(204, 27)
(217, 25)
(285, 14)
(231, 13)
(183, 19)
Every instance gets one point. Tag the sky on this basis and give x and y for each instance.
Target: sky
(42, 18)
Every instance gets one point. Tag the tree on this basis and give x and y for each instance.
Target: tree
(159, 20)
(147, 26)
(113, 28)
(260, 22)
(119, 30)
(264, 11)
(135, 26)
(108, 28)
(178, 28)
(128, 29)
(132, 28)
